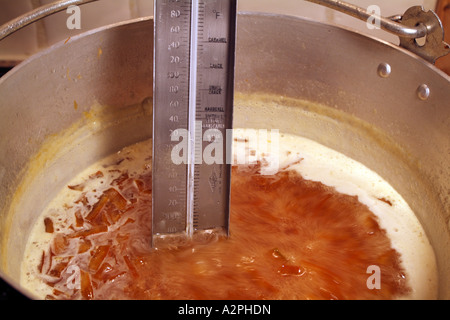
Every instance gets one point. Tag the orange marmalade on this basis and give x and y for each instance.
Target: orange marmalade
(290, 238)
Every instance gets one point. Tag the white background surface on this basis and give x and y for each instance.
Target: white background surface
(53, 29)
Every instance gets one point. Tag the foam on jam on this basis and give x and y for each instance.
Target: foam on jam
(313, 230)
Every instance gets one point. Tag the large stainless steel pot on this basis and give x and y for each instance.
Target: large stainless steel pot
(49, 131)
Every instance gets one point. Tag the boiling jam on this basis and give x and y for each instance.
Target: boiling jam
(291, 237)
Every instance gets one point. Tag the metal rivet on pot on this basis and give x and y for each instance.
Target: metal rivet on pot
(384, 70)
(423, 92)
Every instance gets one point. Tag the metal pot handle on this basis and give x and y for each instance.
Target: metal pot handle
(414, 24)
(37, 14)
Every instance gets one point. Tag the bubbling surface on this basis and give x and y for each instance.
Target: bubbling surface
(315, 229)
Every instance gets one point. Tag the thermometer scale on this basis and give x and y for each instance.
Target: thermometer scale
(193, 105)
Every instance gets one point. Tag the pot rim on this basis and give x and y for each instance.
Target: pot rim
(241, 13)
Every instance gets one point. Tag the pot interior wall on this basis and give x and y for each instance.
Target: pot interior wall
(48, 114)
